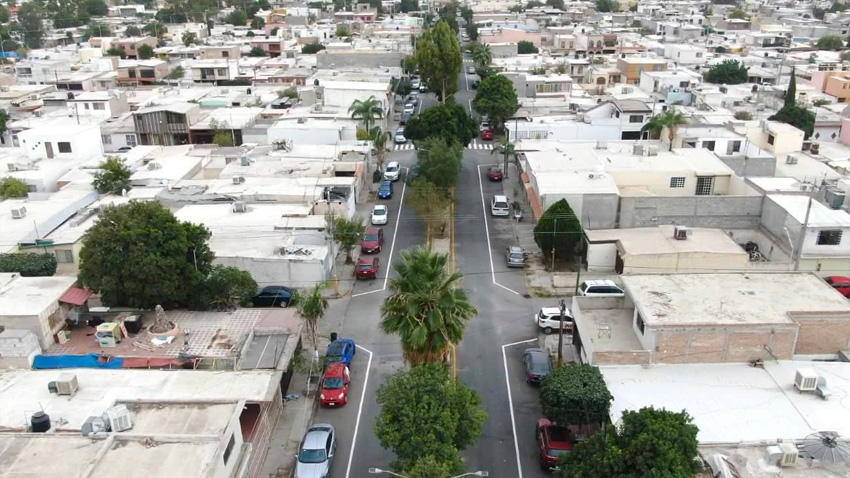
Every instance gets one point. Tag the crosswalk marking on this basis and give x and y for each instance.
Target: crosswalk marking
(468, 60)
(473, 145)
(403, 147)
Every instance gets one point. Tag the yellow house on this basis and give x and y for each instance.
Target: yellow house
(632, 67)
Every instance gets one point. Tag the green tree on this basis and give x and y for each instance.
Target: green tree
(739, 14)
(430, 204)
(743, 115)
(516, 9)
(223, 138)
(559, 4)
(791, 92)
(145, 52)
(796, 116)
(439, 59)
(132, 31)
(729, 72)
(426, 308)
(472, 31)
(257, 23)
(402, 86)
(830, 42)
(497, 99)
(525, 47)
(29, 264)
(4, 14)
(367, 110)
(648, 443)
(97, 8)
(312, 307)
(112, 177)
(225, 288)
(347, 233)
(818, 12)
(257, 52)
(13, 188)
(430, 467)
(534, 4)
(139, 255)
(605, 6)
(236, 18)
(176, 73)
(98, 30)
(408, 6)
(466, 14)
(189, 38)
(4, 117)
(342, 31)
(670, 119)
(481, 55)
(274, 31)
(576, 394)
(379, 139)
(427, 418)
(30, 24)
(291, 92)
(449, 121)
(115, 51)
(440, 161)
(558, 231)
(155, 28)
(171, 15)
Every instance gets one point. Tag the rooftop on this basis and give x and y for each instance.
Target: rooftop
(819, 215)
(730, 299)
(30, 296)
(659, 240)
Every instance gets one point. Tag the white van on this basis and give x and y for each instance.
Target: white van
(499, 206)
(392, 171)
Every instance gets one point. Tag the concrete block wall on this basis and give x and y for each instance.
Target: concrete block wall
(17, 347)
(820, 336)
(343, 58)
(752, 167)
(641, 357)
(718, 345)
(725, 212)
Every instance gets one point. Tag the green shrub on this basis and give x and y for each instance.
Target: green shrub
(28, 264)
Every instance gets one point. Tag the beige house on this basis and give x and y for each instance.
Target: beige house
(776, 137)
(219, 52)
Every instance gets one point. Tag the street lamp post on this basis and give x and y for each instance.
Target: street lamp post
(374, 471)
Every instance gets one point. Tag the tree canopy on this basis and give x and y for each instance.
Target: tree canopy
(558, 231)
(439, 59)
(225, 288)
(30, 24)
(525, 47)
(439, 161)
(113, 177)
(830, 42)
(257, 52)
(796, 116)
(367, 110)
(670, 119)
(430, 203)
(576, 394)
(497, 99)
(145, 52)
(13, 188)
(347, 233)
(729, 72)
(312, 48)
(605, 6)
(311, 307)
(448, 120)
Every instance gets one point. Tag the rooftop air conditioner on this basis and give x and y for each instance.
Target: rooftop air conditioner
(791, 159)
(637, 149)
(154, 165)
(244, 160)
(240, 206)
(806, 379)
(783, 454)
(652, 150)
(67, 384)
(119, 418)
(681, 233)
(238, 179)
(18, 213)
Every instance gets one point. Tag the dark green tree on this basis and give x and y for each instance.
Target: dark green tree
(225, 288)
(525, 47)
(176, 73)
(144, 52)
(236, 18)
(402, 86)
(115, 51)
(739, 14)
(427, 414)
(497, 99)
(155, 28)
(312, 48)
(4, 14)
(605, 6)
(257, 23)
(139, 255)
(132, 31)
(830, 42)
(472, 31)
(439, 59)
(559, 4)
(30, 24)
(257, 51)
(342, 31)
(558, 231)
(439, 161)
(796, 116)
(466, 14)
(791, 92)
(729, 72)
(13, 188)
(98, 30)
(448, 120)
(576, 394)
(347, 233)
(112, 177)
(171, 15)
(409, 6)
(29, 264)
(97, 8)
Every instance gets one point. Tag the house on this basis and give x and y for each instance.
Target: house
(534, 86)
(78, 142)
(232, 120)
(214, 71)
(86, 80)
(41, 72)
(165, 125)
(341, 94)
(141, 72)
(777, 138)
(99, 104)
(220, 52)
(131, 45)
(731, 147)
(633, 66)
(274, 47)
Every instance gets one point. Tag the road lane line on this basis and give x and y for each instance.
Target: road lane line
(360, 409)
(487, 232)
(367, 293)
(395, 231)
(511, 405)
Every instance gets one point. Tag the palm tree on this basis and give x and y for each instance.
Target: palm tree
(426, 307)
(670, 119)
(312, 306)
(367, 110)
(379, 139)
(482, 56)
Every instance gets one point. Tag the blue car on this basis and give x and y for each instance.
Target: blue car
(340, 351)
(386, 190)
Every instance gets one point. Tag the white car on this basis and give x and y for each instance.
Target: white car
(415, 83)
(499, 206)
(399, 136)
(393, 169)
(549, 319)
(379, 215)
(409, 108)
(470, 70)
(600, 288)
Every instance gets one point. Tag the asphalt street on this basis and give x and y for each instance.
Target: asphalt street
(505, 317)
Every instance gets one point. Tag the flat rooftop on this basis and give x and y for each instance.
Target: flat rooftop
(190, 418)
(30, 296)
(659, 240)
(609, 330)
(732, 403)
(730, 299)
(818, 216)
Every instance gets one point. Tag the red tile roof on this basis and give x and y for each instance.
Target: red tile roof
(75, 296)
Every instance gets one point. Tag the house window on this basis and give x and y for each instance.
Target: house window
(64, 147)
(225, 54)
(64, 256)
(635, 118)
(229, 448)
(829, 238)
(677, 182)
(705, 184)
(86, 105)
(98, 106)
(709, 145)
(770, 139)
(105, 139)
(736, 146)
(221, 71)
(131, 140)
(641, 325)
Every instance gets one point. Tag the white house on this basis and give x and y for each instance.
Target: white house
(71, 141)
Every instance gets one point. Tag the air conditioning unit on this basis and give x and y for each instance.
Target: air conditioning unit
(38, 113)
(783, 454)
(154, 165)
(791, 159)
(806, 379)
(19, 213)
(244, 160)
(12, 167)
(240, 206)
(238, 179)
(681, 233)
(637, 150)
(119, 418)
(652, 150)
(67, 384)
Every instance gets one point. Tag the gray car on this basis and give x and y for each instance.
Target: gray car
(316, 453)
(515, 256)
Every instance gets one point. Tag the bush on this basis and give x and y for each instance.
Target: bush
(576, 394)
(28, 264)
(525, 47)
(312, 48)
(743, 115)
(225, 288)
(13, 188)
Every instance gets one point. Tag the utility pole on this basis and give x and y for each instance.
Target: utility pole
(554, 228)
(561, 334)
(803, 228)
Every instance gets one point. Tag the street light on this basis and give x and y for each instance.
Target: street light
(472, 473)
(378, 470)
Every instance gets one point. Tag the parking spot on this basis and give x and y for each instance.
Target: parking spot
(500, 232)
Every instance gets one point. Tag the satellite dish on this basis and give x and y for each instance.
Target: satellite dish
(826, 447)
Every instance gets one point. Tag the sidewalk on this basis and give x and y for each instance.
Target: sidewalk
(294, 420)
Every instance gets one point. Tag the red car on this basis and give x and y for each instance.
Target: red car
(367, 268)
(372, 241)
(553, 441)
(840, 283)
(487, 134)
(495, 173)
(334, 390)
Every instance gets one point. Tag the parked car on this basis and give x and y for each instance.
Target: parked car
(125, 149)
(372, 241)
(485, 125)
(494, 173)
(600, 288)
(367, 268)
(385, 191)
(409, 108)
(470, 70)
(553, 442)
(499, 206)
(840, 283)
(273, 296)
(334, 388)
(487, 135)
(414, 100)
(415, 83)
(475, 84)
(400, 138)
(340, 351)
(515, 256)
(423, 88)
(536, 365)
(405, 117)
(549, 319)
(380, 213)
(316, 452)
(392, 171)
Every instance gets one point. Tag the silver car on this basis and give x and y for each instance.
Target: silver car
(316, 452)
(515, 256)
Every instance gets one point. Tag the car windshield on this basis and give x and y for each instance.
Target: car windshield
(391, 169)
(553, 452)
(540, 367)
(371, 237)
(336, 348)
(333, 383)
(379, 212)
(363, 267)
(501, 205)
(312, 456)
(516, 255)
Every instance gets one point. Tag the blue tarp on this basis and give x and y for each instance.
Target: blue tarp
(76, 361)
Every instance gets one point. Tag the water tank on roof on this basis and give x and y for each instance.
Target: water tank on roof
(39, 422)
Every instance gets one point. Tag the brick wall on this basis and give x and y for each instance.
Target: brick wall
(730, 344)
(822, 335)
(727, 212)
(622, 358)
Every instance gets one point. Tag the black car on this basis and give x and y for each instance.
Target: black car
(474, 84)
(537, 365)
(273, 296)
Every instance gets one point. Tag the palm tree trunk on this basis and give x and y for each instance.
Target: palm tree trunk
(670, 134)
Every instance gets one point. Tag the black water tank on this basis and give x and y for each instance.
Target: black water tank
(40, 422)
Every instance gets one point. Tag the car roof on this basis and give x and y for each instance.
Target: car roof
(276, 287)
(556, 311)
(317, 436)
(394, 163)
(500, 197)
(537, 354)
(379, 207)
(336, 346)
(335, 370)
(515, 249)
(601, 282)
(366, 260)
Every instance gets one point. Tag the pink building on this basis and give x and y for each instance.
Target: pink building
(507, 35)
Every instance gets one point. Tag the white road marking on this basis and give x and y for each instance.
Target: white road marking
(360, 408)
(470, 105)
(511, 404)
(487, 232)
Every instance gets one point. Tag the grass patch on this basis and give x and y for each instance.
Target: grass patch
(540, 292)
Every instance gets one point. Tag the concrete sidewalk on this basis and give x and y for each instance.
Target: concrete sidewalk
(296, 417)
